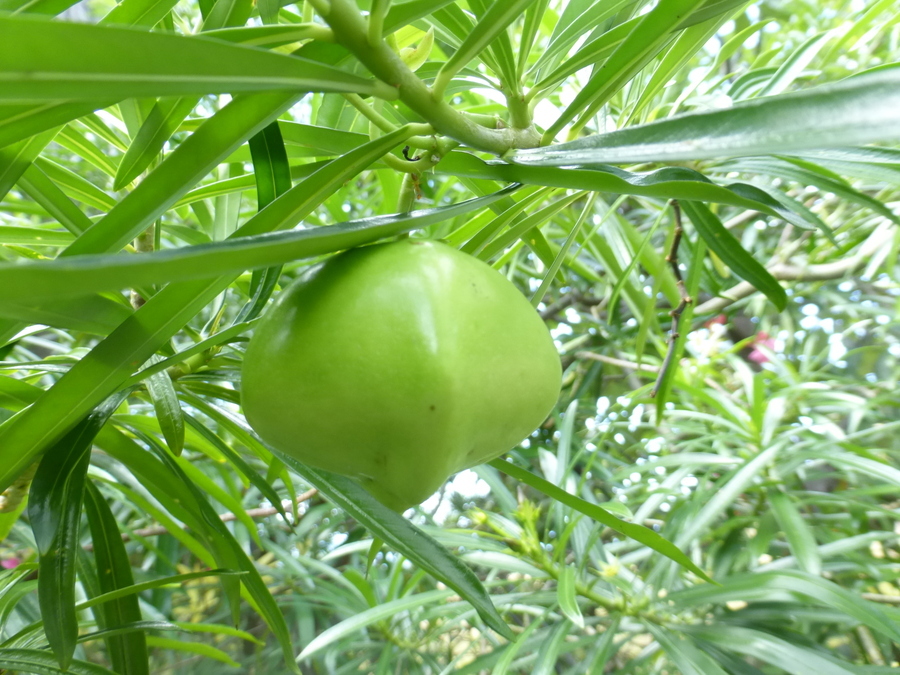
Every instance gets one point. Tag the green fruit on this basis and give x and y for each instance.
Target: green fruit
(399, 365)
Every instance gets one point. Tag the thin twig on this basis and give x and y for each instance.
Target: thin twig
(791, 272)
(740, 219)
(568, 300)
(885, 599)
(263, 512)
(370, 113)
(676, 313)
(870, 646)
(617, 362)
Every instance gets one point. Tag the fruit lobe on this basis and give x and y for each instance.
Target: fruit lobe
(398, 365)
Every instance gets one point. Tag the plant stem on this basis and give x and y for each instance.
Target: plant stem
(409, 193)
(415, 165)
(621, 363)
(143, 244)
(262, 512)
(370, 114)
(376, 20)
(672, 259)
(323, 7)
(519, 112)
(351, 31)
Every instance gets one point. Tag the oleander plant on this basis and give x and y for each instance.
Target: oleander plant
(569, 333)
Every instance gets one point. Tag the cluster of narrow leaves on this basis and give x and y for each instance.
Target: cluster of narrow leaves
(165, 170)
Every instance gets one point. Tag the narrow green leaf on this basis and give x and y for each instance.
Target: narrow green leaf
(500, 14)
(403, 14)
(163, 121)
(172, 581)
(273, 178)
(378, 613)
(685, 46)
(223, 337)
(37, 185)
(770, 587)
(628, 58)
(77, 187)
(327, 140)
(41, 663)
(9, 578)
(668, 183)
(227, 13)
(270, 36)
(798, 534)
(374, 550)
(563, 252)
(199, 648)
(565, 594)
(784, 655)
(526, 226)
(221, 538)
(805, 173)
(235, 458)
(795, 64)
(54, 509)
(732, 45)
(726, 494)
(510, 214)
(684, 653)
(15, 159)
(625, 280)
(168, 409)
(728, 248)
(270, 165)
(15, 592)
(217, 629)
(576, 19)
(58, 60)
(639, 533)
(48, 7)
(532, 26)
(146, 13)
(857, 110)
(73, 139)
(550, 650)
(91, 314)
(214, 140)
(605, 648)
(166, 115)
(114, 359)
(127, 652)
(403, 537)
(126, 630)
(511, 651)
(83, 274)
(24, 121)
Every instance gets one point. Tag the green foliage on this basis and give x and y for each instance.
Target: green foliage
(729, 405)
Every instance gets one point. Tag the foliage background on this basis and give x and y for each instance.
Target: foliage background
(769, 457)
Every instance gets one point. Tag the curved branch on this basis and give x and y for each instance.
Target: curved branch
(351, 31)
(792, 272)
(262, 512)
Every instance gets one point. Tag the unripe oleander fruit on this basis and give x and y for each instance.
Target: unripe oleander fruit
(398, 365)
